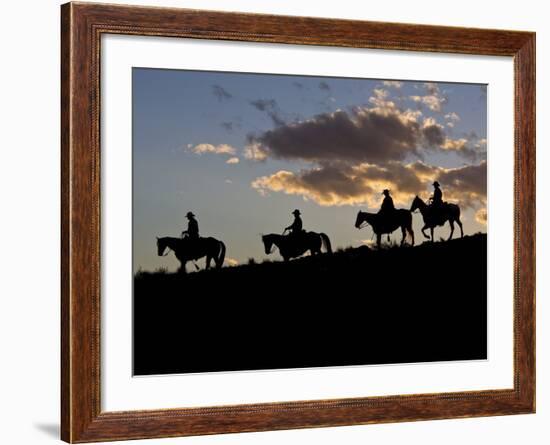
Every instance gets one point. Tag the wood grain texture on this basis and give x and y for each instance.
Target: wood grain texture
(81, 28)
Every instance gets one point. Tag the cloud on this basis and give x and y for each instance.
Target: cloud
(233, 124)
(368, 242)
(433, 132)
(337, 185)
(271, 108)
(221, 93)
(454, 144)
(393, 83)
(264, 104)
(467, 184)
(470, 147)
(324, 86)
(451, 119)
(435, 138)
(433, 100)
(377, 133)
(481, 144)
(364, 134)
(380, 93)
(227, 125)
(221, 149)
(233, 160)
(231, 261)
(254, 152)
(481, 216)
(452, 116)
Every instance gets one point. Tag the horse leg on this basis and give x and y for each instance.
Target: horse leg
(378, 239)
(208, 260)
(432, 233)
(404, 234)
(410, 230)
(460, 225)
(424, 233)
(182, 270)
(452, 224)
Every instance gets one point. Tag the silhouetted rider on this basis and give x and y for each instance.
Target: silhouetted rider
(387, 206)
(192, 232)
(437, 198)
(296, 227)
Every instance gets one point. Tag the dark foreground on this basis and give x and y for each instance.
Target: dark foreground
(356, 307)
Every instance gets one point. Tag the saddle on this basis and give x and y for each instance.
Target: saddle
(296, 239)
(191, 243)
(386, 218)
(437, 212)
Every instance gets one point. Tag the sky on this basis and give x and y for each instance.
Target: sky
(243, 150)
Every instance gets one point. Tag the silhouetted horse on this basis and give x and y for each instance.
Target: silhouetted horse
(186, 250)
(400, 218)
(292, 246)
(448, 212)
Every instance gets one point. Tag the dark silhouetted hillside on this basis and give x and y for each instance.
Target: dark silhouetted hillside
(357, 306)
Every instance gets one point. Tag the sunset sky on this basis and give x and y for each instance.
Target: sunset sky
(242, 151)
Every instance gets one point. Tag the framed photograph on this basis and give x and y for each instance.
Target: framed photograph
(276, 222)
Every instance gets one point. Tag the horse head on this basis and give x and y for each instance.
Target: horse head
(360, 219)
(161, 246)
(268, 243)
(417, 203)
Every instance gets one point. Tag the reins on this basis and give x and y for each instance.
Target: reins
(365, 224)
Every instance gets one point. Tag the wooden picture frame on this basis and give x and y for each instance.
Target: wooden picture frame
(82, 25)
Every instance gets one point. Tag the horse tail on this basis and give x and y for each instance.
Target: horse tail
(326, 242)
(221, 257)
(453, 211)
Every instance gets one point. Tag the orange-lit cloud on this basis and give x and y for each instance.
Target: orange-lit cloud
(356, 153)
(338, 185)
(231, 261)
(433, 99)
(481, 216)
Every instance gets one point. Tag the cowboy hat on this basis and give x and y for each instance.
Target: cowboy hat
(296, 212)
(386, 192)
(435, 184)
(189, 214)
